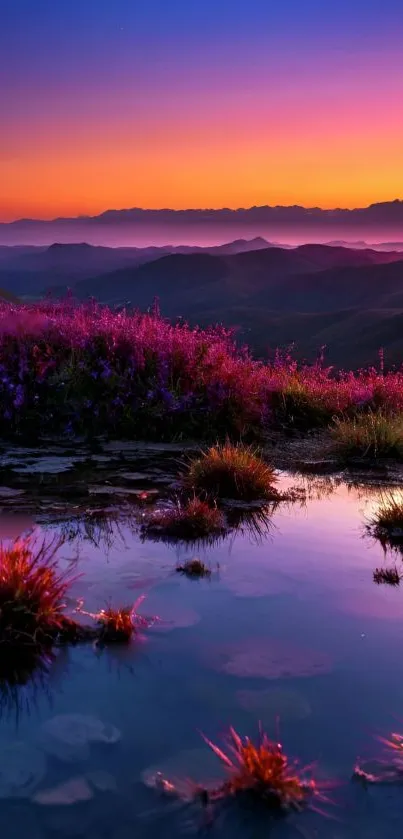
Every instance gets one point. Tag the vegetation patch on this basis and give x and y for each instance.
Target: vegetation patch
(188, 521)
(369, 435)
(263, 772)
(115, 625)
(72, 369)
(32, 592)
(232, 471)
(388, 518)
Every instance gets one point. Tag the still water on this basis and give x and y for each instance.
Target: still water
(289, 629)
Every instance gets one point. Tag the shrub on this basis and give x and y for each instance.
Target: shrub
(232, 471)
(189, 521)
(372, 434)
(31, 593)
(264, 772)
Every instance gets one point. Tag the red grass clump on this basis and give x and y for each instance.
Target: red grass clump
(263, 771)
(189, 521)
(115, 625)
(31, 593)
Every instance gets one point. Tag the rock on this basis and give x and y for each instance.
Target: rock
(69, 736)
(71, 792)
(271, 659)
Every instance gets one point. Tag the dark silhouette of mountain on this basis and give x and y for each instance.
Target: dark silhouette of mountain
(137, 226)
(29, 270)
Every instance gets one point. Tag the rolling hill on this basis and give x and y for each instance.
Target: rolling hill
(348, 299)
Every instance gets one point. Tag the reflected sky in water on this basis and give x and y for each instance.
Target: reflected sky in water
(291, 625)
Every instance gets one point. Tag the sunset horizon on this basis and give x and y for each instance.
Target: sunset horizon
(165, 105)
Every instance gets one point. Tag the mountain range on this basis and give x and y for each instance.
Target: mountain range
(205, 227)
(349, 299)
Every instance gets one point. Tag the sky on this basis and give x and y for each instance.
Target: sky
(198, 103)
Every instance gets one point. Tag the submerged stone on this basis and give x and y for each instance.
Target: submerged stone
(69, 736)
(71, 792)
(272, 659)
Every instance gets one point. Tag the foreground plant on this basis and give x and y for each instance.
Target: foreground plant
(388, 770)
(115, 625)
(32, 592)
(264, 772)
(372, 434)
(388, 518)
(232, 471)
(189, 521)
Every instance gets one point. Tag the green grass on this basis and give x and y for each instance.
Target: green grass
(232, 471)
(371, 435)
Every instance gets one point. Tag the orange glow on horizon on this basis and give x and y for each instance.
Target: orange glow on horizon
(313, 153)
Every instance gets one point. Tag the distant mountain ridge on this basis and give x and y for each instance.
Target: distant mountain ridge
(140, 227)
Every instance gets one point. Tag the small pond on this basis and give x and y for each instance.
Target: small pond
(289, 630)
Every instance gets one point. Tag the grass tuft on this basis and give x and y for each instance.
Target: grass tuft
(263, 772)
(189, 521)
(389, 515)
(32, 593)
(372, 435)
(115, 625)
(232, 471)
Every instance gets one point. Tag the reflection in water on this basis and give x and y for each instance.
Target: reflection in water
(102, 527)
(27, 675)
(291, 627)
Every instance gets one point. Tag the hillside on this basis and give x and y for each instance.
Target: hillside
(350, 300)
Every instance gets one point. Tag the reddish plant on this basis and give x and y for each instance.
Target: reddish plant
(263, 771)
(188, 521)
(31, 592)
(115, 625)
(85, 368)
